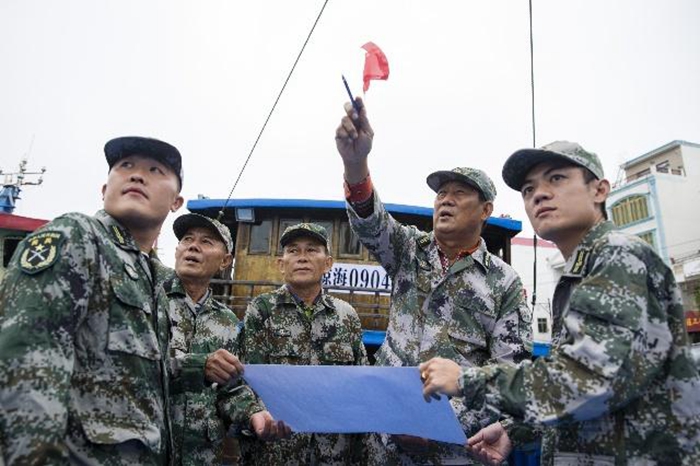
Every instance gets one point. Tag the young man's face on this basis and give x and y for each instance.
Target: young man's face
(457, 209)
(304, 261)
(200, 255)
(560, 203)
(140, 192)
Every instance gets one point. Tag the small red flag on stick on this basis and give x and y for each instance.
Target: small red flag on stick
(376, 64)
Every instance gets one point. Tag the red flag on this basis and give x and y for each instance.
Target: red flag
(376, 64)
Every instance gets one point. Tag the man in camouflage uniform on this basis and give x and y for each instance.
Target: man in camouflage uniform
(84, 329)
(450, 296)
(203, 347)
(300, 324)
(619, 386)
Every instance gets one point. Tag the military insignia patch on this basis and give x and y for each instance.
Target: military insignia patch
(40, 251)
(580, 261)
(118, 235)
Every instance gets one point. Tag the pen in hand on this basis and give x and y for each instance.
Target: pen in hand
(352, 99)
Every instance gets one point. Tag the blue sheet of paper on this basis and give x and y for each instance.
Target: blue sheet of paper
(346, 399)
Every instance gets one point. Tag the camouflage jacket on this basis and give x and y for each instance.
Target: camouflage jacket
(619, 386)
(83, 348)
(473, 314)
(277, 331)
(201, 414)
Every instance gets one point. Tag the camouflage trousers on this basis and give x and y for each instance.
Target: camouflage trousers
(380, 450)
(304, 449)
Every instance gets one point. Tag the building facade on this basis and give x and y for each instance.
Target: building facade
(657, 198)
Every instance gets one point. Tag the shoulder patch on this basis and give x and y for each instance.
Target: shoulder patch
(580, 261)
(40, 251)
(423, 241)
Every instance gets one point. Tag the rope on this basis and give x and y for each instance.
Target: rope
(269, 115)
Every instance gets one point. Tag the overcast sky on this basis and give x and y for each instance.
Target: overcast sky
(619, 77)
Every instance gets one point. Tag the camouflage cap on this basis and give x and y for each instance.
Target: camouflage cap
(118, 148)
(185, 222)
(521, 162)
(312, 230)
(471, 176)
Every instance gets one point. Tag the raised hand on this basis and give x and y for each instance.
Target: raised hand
(353, 138)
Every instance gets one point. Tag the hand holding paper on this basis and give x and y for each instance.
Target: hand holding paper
(440, 375)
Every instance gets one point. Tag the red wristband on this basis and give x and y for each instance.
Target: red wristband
(360, 192)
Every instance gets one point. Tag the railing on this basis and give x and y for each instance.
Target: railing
(371, 304)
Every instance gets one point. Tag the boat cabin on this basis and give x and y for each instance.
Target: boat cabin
(257, 224)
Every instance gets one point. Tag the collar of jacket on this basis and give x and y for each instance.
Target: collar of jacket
(287, 297)
(174, 287)
(481, 256)
(576, 265)
(117, 233)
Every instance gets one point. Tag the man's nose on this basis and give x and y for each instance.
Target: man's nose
(447, 199)
(137, 175)
(541, 194)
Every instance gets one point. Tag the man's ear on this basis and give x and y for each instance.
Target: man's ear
(602, 191)
(104, 188)
(280, 265)
(177, 203)
(487, 210)
(228, 260)
(329, 264)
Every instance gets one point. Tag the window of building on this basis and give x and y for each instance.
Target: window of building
(542, 325)
(648, 237)
(349, 243)
(630, 210)
(663, 167)
(260, 237)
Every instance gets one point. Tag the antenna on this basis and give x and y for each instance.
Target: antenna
(534, 144)
(13, 182)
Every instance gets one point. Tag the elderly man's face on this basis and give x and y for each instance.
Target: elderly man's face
(304, 261)
(200, 255)
(457, 210)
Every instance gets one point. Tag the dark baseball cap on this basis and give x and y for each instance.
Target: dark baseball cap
(118, 148)
(312, 230)
(188, 221)
(521, 162)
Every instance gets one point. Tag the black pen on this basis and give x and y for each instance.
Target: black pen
(354, 104)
